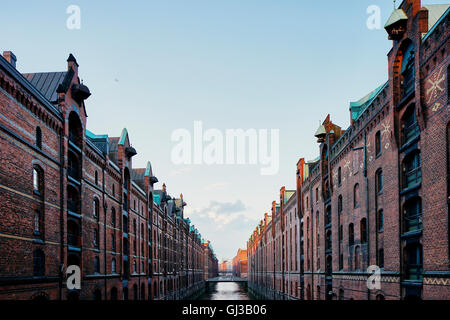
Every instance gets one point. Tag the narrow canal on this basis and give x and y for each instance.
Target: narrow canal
(226, 291)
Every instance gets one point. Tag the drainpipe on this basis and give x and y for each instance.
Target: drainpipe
(61, 216)
(312, 239)
(105, 228)
(366, 179)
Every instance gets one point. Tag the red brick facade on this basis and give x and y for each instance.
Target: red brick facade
(70, 197)
(378, 193)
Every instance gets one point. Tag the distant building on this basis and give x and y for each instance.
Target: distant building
(239, 267)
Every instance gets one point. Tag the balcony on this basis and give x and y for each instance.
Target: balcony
(410, 133)
(408, 82)
(412, 223)
(414, 272)
(413, 178)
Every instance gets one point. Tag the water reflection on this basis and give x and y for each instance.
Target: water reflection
(226, 291)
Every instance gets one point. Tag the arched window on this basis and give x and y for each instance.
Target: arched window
(39, 137)
(73, 201)
(125, 293)
(38, 181)
(410, 128)
(341, 294)
(318, 293)
(113, 217)
(377, 143)
(356, 196)
(96, 265)
(380, 220)
(412, 215)
(340, 205)
(113, 266)
(113, 243)
(363, 230)
(96, 208)
(96, 239)
(412, 172)
(75, 130)
(380, 297)
(339, 176)
(114, 294)
(73, 169)
(37, 223)
(379, 181)
(351, 235)
(408, 71)
(96, 178)
(341, 233)
(38, 263)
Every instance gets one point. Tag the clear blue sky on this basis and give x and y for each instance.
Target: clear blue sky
(156, 66)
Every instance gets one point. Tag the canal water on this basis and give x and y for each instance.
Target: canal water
(226, 291)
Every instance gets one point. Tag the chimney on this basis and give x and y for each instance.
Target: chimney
(8, 55)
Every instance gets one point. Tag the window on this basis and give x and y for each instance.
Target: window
(96, 265)
(410, 129)
(113, 266)
(113, 217)
(408, 71)
(380, 220)
(413, 262)
(356, 196)
(96, 208)
(96, 238)
(73, 167)
(341, 294)
(339, 176)
(341, 261)
(412, 173)
(37, 180)
(113, 190)
(380, 258)
(378, 143)
(113, 242)
(379, 181)
(351, 235)
(341, 233)
(412, 215)
(37, 222)
(38, 137)
(363, 230)
(317, 194)
(340, 205)
(96, 178)
(38, 263)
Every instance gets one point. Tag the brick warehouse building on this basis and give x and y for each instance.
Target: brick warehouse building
(378, 194)
(70, 197)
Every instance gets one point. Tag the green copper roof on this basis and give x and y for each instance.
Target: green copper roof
(359, 106)
(320, 131)
(156, 199)
(148, 169)
(396, 16)
(123, 136)
(95, 136)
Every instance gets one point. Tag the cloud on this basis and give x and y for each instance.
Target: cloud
(177, 172)
(220, 213)
(216, 186)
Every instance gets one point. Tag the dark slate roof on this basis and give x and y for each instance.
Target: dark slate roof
(138, 175)
(46, 83)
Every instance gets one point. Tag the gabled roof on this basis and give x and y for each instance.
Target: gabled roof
(46, 83)
(359, 106)
(436, 13)
(396, 16)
